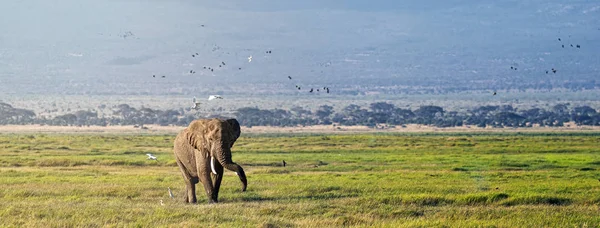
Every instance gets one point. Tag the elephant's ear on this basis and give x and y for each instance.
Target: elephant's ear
(195, 132)
(235, 127)
(191, 138)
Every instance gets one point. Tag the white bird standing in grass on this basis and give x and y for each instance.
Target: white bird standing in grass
(151, 157)
(212, 97)
(171, 194)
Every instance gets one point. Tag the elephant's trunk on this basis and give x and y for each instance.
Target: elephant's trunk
(224, 158)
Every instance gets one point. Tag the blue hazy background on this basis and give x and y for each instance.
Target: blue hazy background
(115, 46)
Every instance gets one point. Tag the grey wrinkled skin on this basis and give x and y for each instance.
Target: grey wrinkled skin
(203, 141)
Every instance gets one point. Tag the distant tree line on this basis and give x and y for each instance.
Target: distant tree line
(378, 114)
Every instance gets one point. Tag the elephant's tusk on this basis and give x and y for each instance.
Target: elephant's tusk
(212, 164)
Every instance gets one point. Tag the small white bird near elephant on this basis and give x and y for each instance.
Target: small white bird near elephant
(151, 157)
(171, 194)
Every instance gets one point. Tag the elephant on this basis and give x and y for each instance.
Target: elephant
(202, 150)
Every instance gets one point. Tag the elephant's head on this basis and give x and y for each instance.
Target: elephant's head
(218, 136)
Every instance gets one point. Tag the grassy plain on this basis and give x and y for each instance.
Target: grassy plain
(383, 180)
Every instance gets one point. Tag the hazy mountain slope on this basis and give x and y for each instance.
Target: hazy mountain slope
(77, 46)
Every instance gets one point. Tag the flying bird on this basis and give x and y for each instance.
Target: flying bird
(212, 97)
(164, 76)
(578, 46)
(223, 63)
(311, 90)
(563, 46)
(196, 105)
(494, 93)
(151, 157)
(559, 39)
(553, 70)
(546, 72)
(154, 76)
(290, 77)
(250, 59)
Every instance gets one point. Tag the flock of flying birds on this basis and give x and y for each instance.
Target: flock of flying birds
(196, 103)
(553, 70)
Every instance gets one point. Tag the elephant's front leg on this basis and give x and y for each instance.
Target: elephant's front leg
(217, 178)
(204, 175)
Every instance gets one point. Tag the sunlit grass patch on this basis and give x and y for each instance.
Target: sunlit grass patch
(382, 180)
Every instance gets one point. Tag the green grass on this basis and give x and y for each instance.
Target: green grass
(384, 180)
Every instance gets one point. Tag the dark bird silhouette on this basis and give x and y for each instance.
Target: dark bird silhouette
(164, 76)
(223, 63)
(311, 90)
(512, 68)
(154, 76)
(196, 53)
(324, 88)
(240, 68)
(219, 65)
(202, 25)
(559, 39)
(515, 68)
(327, 90)
(553, 70)
(211, 70)
(571, 45)
(494, 93)
(204, 67)
(546, 72)
(290, 77)
(284, 163)
(191, 71)
(563, 46)
(193, 55)
(578, 46)
(299, 88)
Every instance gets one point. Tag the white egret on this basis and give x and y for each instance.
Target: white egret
(151, 157)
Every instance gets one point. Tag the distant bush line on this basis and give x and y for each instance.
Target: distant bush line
(378, 114)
